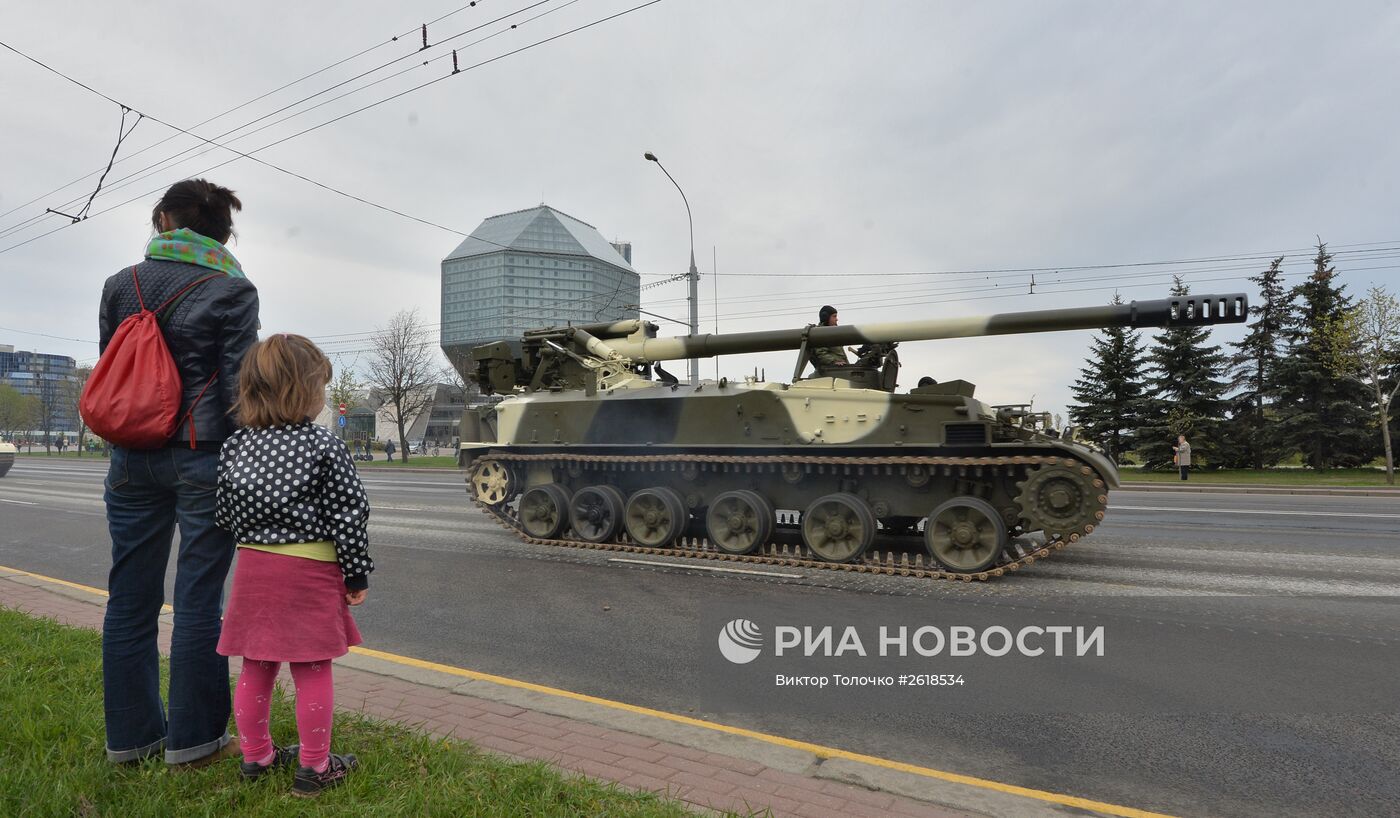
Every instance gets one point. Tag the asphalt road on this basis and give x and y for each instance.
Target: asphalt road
(1251, 664)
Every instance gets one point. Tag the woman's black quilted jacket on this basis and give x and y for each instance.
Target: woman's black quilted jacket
(208, 331)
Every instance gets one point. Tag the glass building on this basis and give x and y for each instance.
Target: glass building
(52, 379)
(529, 269)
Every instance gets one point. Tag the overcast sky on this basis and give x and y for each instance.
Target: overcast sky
(823, 146)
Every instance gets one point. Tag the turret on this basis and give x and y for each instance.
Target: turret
(588, 356)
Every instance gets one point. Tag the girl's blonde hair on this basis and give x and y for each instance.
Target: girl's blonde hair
(280, 377)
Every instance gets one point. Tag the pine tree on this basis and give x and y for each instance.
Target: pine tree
(1249, 438)
(1184, 395)
(1323, 414)
(1109, 390)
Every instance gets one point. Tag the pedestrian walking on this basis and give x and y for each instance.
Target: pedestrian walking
(1182, 456)
(149, 491)
(389, 449)
(303, 558)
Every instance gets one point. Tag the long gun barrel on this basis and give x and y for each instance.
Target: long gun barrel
(1190, 310)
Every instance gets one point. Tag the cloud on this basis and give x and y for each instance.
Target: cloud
(813, 138)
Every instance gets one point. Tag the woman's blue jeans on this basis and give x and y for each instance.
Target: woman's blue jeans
(148, 493)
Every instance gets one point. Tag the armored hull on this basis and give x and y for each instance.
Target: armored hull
(7, 458)
(838, 469)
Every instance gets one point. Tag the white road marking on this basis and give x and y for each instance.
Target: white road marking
(458, 485)
(17, 502)
(705, 568)
(1256, 511)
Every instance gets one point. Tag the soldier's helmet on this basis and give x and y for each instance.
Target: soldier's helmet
(825, 315)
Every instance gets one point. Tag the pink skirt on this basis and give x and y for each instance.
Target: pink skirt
(286, 609)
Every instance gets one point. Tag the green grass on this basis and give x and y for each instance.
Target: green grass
(52, 762)
(1277, 477)
(416, 461)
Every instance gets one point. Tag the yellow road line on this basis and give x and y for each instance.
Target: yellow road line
(818, 750)
(65, 583)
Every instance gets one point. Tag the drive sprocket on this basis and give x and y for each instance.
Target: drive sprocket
(1066, 500)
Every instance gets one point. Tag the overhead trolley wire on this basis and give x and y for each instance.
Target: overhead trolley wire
(240, 106)
(1260, 256)
(213, 143)
(170, 161)
(1156, 279)
(938, 285)
(249, 154)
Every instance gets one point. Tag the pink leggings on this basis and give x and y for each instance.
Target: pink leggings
(252, 703)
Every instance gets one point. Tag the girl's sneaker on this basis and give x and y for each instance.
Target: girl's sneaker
(281, 757)
(309, 783)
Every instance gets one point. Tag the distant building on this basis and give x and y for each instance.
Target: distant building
(369, 418)
(529, 269)
(50, 378)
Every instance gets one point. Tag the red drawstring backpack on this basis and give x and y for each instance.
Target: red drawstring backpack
(132, 398)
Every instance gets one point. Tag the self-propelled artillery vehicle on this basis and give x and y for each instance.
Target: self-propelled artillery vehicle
(595, 445)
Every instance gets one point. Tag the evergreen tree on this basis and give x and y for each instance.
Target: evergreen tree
(1109, 390)
(1323, 414)
(1249, 439)
(1184, 395)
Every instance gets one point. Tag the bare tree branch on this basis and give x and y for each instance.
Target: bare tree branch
(1371, 333)
(403, 371)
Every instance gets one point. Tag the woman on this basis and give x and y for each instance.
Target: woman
(149, 491)
(1182, 457)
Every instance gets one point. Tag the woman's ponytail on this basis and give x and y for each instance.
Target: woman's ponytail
(201, 206)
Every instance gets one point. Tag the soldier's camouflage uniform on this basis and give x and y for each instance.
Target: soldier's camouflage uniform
(829, 356)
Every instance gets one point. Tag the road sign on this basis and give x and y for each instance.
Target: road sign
(342, 421)
(342, 411)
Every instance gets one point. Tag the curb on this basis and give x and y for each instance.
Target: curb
(1237, 488)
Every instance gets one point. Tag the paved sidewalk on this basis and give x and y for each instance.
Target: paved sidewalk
(703, 765)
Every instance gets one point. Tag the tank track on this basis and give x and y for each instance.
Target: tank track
(776, 554)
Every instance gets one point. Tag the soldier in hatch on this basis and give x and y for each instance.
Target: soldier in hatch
(825, 357)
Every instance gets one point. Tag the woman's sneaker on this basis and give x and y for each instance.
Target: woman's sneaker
(281, 757)
(309, 783)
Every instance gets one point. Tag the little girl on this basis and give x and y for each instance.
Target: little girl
(290, 494)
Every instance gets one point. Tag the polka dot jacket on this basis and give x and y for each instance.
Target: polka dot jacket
(291, 484)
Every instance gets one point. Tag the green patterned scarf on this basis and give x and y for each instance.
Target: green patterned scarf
(192, 248)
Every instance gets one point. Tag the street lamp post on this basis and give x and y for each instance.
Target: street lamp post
(694, 274)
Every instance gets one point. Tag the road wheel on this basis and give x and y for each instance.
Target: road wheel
(965, 535)
(838, 527)
(655, 517)
(544, 511)
(596, 513)
(739, 522)
(492, 482)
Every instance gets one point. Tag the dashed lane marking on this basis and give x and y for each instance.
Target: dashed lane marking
(716, 568)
